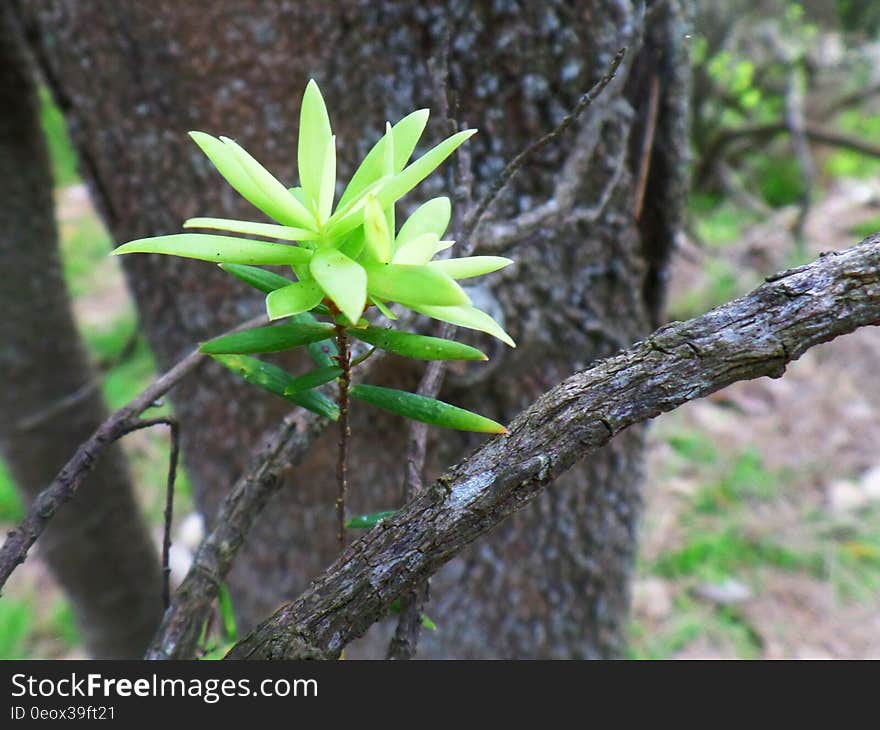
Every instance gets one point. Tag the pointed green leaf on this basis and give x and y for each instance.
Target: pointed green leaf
(417, 171)
(312, 379)
(328, 182)
(301, 296)
(314, 133)
(443, 245)
(470, 266)
(413, 284)
(354, 243)
(377, 237)
(428, 623)
(272, 378)
(427, 410)
(270, 230)
(342, 279)
(466, 316)
(417, 251)
(274, 338)
(431, 217)
(264, 281)
(418, 347)
(382, 307)
(219, 249)
(369, 521)
(283, 206)
(406, 134)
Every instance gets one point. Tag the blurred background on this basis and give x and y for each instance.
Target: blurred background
(760, 534)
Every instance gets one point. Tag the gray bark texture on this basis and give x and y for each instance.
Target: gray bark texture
(755, 336)
(133, 77)
(98, 547)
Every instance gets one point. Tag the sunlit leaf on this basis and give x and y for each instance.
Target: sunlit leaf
(342, 279)
(264, 281)
(470, 266)
(312, 379)
(368, 521)
(314, 134)
(427, 623)
(417, 171)
(275, 380)
(273, 338)
(430, 217)
(219, 249)
(377, 237)
(406, 134)
(285, 208)
(414, 284)
(300, 296)
(269, 230)
(417, 251)
(419, 347)
(427, 410)
(466, 316)
(328, 182)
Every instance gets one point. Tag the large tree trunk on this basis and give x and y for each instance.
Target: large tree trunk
(98, 547)
(133, 77)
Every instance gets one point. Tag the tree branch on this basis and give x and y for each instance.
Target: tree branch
(68, 480)
(751, 337)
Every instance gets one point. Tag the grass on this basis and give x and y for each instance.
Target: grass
(61, 153)
(745, 480)
(15, 628)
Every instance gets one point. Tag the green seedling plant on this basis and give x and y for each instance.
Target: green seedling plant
(346, 257)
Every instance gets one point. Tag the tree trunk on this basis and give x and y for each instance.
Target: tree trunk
(133, 78)
(98, 547)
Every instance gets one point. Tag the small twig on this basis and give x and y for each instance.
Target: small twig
(476, 215)
(69, 479)
(647, 146)
(344, 360)
(173, 457)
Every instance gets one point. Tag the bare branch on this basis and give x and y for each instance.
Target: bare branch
(755, 336)
(68, 480)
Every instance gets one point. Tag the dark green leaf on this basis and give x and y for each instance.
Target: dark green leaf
(366, 522)
(312, 379)
(264, 281)
(273, 338)
(418, 347)
(272, 378)
(426, 410)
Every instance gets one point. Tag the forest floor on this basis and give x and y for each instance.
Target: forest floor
(761, 527)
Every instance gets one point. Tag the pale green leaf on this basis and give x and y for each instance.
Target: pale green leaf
(285, 208)
(219, 249)
(328, 182)
(272, 378)
(427, 410)
(443, 245)
(413, 284)
(406, 134)
(314, 133)
(466, 316)
(377, 237)
(430, 217)
(342, 279)
(417, 251)
(418, 347)
(269, 230)
(470, 266)
(417, 171)
(274, 338)
(301, 296)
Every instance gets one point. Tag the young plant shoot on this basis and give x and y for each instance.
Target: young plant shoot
(346, 256)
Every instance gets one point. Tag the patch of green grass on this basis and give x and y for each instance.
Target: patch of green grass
(666, 643)
(61, 152)
(867, 228)
(63, 626)
(15, 628)
(849, 163)
(723, 285)
(854, 567)
(83, 247)
(694, 447)
(716, 555)
(746, 479)
(11, 506)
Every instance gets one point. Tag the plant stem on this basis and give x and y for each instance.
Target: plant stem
(344, 360)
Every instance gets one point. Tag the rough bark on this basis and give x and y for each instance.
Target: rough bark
(133, 77)
(98, 549)
(755, 336)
